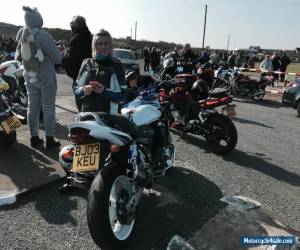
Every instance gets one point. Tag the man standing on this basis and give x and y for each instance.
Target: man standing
(146, 55)
(189, 58)
(285, 61)
(80, 48)
(276, 63)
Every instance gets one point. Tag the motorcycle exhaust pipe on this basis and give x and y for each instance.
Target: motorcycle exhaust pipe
(139, 176)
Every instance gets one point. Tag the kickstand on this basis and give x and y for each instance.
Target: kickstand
(183, 134)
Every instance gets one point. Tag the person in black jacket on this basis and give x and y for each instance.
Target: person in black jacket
(79, 49)
(189, 59)
(285, 61)
(276, 64)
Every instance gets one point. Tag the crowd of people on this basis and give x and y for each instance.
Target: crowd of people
(7, 48)
(276, 63)
(98, 79)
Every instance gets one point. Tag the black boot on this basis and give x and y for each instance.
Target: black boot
(51, 143)
(35, 141)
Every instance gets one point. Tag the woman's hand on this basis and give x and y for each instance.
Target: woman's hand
(88, 89)
(97, 87)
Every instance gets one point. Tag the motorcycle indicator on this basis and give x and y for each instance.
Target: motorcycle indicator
(86, 157)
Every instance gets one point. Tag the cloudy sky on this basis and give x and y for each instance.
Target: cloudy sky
(265, 23)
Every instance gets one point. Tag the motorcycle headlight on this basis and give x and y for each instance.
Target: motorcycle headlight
(66, 157)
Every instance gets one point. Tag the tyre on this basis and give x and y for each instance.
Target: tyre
(298, 109)
(8, 139)
(223, 136)
(109, 221)
(258, 97)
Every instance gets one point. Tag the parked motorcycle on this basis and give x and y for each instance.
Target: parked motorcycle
(190, 114)
(9, 121)
(12, 73)
(243, 85)
(121, 155)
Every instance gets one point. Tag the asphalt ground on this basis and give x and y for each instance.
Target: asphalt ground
(264, 166)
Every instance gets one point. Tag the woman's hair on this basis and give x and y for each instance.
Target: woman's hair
(101, 33)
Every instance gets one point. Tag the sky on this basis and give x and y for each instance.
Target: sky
(270, 24)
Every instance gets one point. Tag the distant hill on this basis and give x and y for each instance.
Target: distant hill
(62, 34)
(11, 31)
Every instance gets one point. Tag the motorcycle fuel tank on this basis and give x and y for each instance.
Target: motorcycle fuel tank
(142, 114)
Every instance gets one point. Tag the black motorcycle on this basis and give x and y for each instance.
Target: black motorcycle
(243, 85)
(9, 120)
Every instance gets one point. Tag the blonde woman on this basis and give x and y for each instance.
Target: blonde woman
(101, 80)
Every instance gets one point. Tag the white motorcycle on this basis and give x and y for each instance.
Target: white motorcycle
(12, 73)
(122, 154)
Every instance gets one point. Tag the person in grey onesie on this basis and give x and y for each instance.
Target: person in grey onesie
(42, 90)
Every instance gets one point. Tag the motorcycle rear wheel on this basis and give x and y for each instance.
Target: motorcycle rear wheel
(223, 134)
(298, 109)
(102, 210)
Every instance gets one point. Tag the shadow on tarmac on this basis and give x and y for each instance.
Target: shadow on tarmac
(259, 162)
(264, 102)
(25, 166)
(181, 203)
(241, 120)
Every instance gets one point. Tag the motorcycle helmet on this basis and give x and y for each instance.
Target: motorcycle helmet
(131, 78)
(66, 157)
(199, 90)
(168, 62)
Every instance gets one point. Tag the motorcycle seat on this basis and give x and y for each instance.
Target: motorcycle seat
(218, 92)
(120, 122)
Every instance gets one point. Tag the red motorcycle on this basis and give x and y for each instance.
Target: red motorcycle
(188, 113)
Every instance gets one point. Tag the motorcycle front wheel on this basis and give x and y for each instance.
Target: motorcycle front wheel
(223, 136)
(110, 224)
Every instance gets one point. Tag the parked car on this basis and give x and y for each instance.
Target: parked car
(127, 59)
(291, 95)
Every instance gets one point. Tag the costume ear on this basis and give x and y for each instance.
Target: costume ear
(26, 8)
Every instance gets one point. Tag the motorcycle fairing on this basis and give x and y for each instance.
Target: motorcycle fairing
(100, 131)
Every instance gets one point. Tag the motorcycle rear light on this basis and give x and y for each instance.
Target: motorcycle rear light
(77, 139)
(176, 125)
(115, 148)
(79, 135)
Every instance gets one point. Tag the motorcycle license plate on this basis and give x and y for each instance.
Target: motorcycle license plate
(86, 158)
(230, 110)
(11, 124)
